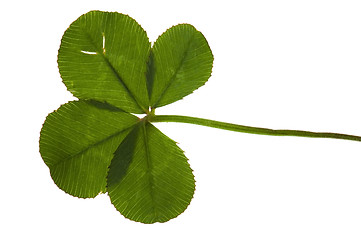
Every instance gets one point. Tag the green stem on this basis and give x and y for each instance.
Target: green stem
(253, 130)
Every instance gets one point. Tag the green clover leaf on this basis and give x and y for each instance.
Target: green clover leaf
(95, 145)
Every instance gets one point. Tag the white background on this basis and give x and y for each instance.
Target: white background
(278, 64)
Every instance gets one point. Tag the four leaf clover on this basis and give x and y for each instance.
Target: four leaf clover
(95, 144)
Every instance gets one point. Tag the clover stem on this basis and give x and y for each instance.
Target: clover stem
(252, 130)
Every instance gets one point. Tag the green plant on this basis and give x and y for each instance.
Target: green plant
(95, 145)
